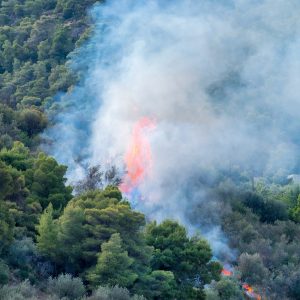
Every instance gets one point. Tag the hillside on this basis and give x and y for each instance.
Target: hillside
(131, 168)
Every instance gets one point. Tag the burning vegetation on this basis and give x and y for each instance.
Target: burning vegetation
(248, 290)
(138, 158)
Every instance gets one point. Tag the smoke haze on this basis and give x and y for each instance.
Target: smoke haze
(222, 81)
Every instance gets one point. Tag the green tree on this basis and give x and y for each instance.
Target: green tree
(46, 182)
(157, 285)
(6, 181)
(61, 44)
(71, 233)
(188, 258)
(228, 289)
(106, 214)
(32, 121)
(114, 266)
(6, 227)
(47, 233)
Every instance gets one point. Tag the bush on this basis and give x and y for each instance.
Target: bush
(66, 286)
(252, 268)
(22, 252)
(4, 272)
(32, 121)
(23, 290)
(228, 289)
(113, 293)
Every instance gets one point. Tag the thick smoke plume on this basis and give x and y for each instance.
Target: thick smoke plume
(222, 81)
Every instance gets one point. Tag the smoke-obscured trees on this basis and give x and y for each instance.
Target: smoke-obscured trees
(97, 178)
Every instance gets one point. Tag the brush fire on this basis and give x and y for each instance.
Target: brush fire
(138, 163)
(138, 158)
(247, 289)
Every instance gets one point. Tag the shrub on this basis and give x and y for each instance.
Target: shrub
(113, 293)
(252, 268)
(23, 290)
(4, 273)
(66, 286)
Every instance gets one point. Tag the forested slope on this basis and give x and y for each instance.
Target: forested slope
(43, 233)
(54, 245)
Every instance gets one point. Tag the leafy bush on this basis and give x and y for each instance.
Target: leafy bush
(23, 290)
(113, 293)
(66, 286)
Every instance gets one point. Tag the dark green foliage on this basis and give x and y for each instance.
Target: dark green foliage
(35, 40)
(268, 210)
(114, 266)
(61, 44)
(46, 182)
(6, 227)
(32, 121)
(157, 285)
(226, 289)
(29, 184)
(269, 248)
(4, 273)
(90, 220)
(189, 259)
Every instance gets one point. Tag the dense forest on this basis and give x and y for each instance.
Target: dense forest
(86, 241)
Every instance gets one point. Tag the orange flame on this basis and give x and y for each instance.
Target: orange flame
(138, 158)
(249, 290)
(226, 272)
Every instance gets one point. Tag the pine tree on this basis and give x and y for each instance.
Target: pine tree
(47, 233)
(113, 266)
(70, 237)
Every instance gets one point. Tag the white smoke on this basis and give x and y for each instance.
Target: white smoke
(222, 80)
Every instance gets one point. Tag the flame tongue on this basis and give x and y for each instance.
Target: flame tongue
(226, 272)
(250, 292)
(138, 158)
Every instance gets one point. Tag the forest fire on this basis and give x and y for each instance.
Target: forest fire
(226, 272)
(247, 289)
(138, 158)
(250, 292)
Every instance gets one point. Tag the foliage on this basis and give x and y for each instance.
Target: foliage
(189, 259)
(6, 227)
(269, 256)
(113, 293)
(114, 266)
(47, 233)
(158, 284)
(67, 287)
(225, 289)
(23, 290)
(4, 272)
(96, 235)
